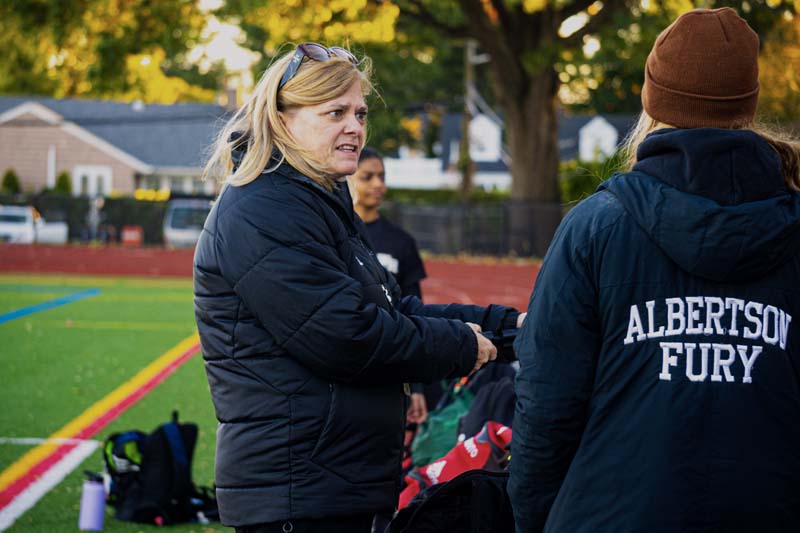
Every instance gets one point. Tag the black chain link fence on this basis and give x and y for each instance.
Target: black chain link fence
(510, 228)
(500, 229)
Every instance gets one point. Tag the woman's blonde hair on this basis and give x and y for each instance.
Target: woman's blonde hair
(258, 125)
(787, 146)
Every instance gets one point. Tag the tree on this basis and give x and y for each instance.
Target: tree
(83, 48)
(63, 183)
(416, 70)
(780, 73)
(606, 75)
(10, 183)
(526, 40)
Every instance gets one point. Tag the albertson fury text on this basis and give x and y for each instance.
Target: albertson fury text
(709, 315)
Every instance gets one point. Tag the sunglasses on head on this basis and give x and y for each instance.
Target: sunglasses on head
(317, 52)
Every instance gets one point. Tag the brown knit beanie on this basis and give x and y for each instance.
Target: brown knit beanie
(703, 71)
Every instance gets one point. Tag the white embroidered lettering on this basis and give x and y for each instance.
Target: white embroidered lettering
(693, 315)
(786, 318)
(724, 364)
(773, 321)
(651, 322)
(634, 326)
(735, 305)
(752, 312)
(714, 316)
(675, 314)
(690, 346)
(668, 360)
(748, 361)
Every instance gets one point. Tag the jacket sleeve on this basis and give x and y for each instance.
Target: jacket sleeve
(301, 292)
(557, 349)
(490, 318)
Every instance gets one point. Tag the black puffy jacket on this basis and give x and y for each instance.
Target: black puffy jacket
(307, 344)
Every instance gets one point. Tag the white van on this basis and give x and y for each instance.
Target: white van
(183, 221)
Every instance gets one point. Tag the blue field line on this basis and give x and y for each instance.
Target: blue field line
(44, 306)
(35, 288)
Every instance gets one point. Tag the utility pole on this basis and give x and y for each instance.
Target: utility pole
(465, 163)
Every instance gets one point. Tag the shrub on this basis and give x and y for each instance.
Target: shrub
(579, 179)
(63, 183)
(10, 183)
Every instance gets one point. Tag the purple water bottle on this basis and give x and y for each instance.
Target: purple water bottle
(93, 503)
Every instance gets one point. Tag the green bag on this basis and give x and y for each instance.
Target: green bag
(439, 433)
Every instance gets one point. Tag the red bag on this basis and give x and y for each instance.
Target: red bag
(487, 450)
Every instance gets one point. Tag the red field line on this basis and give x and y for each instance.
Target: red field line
(91, 427)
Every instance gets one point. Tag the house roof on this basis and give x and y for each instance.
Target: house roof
(160, 135)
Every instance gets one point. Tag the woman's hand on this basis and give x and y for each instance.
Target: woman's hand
(417, 410)
(486, 350)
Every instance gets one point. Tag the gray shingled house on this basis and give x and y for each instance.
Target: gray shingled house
(107, 147)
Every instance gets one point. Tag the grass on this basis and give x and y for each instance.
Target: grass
(58, 362)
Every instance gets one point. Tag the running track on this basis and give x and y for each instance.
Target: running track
(467, 280)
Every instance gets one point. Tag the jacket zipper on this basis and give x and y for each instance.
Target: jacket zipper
(398, 481)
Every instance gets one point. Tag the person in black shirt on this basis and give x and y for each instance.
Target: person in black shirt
(395, 248)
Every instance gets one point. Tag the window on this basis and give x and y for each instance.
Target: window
(91, 180)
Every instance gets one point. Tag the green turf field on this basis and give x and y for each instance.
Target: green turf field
(57, 362)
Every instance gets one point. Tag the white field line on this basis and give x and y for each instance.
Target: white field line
(31, 441)
(28, 498)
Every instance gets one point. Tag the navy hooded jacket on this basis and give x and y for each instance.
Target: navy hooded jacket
(307, 343)
(659, 388)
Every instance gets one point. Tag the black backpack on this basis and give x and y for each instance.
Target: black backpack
(473, 502)
(495, 401)
(151, 476)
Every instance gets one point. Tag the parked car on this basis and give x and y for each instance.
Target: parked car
(183, 221)
(22, 224)
(18, 224)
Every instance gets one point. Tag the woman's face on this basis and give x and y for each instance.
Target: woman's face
(332, 131)
(369, 183)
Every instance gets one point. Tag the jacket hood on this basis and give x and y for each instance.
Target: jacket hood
(713, 200)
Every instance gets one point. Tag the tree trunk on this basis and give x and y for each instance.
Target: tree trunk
(532, 128)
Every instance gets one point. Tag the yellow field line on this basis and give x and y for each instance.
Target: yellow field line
(82, 421)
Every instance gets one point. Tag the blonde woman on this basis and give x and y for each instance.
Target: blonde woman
(306, 341)
(659, 387)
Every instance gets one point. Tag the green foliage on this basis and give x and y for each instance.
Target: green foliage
(415, 72)
(63, 208)
(63, 183)
(80, 48)
(128, 211)
(10, 183)
(579, 179)
(610, 80)
(421, 73)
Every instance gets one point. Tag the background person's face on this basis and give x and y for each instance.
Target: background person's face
(369, 183)
(332, 131)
